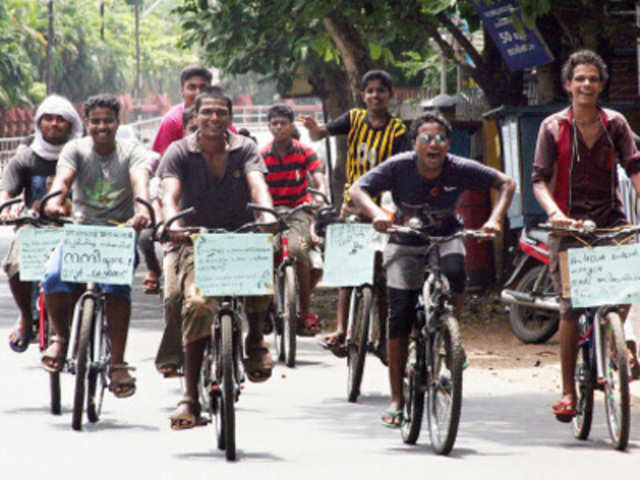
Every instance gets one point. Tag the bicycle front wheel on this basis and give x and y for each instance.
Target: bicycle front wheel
(444, 399)
(82, 359)
(228, 387)
(583, 378)
(100, 360)
(290, 316)
(616, 380)
(357, 347)
(413, 392)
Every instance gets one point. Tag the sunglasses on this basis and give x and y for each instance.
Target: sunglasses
(426, 139)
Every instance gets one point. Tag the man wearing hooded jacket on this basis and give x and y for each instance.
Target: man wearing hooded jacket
(56, 122)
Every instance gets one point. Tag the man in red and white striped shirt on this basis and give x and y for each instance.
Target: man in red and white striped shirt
(290, 165)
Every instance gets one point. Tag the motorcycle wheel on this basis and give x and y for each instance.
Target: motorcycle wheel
(534, 325)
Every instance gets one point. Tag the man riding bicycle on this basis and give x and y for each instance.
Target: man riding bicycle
(574, 179)
(218, 173)
(425, 183)
(289, 164)
(106, 174)
(56, 122)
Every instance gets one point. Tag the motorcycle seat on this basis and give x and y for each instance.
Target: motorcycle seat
(537, 235)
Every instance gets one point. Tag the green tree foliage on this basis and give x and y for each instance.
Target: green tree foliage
(83, 61)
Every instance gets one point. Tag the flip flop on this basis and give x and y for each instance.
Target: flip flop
(308, 325)
(392, 416)
(151, 285)
(22, 341)
(564, 409)
(634, 366)
(170, 370)
(335, 344)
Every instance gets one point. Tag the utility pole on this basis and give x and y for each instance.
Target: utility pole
(138, 86)
(50, 39)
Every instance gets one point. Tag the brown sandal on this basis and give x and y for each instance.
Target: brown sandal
(51, 362)
(122, 388)
(186, 420)
(258, 364)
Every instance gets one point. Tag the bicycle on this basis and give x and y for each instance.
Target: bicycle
(285, 316)
(89, 352)
(437, 354)
(42, 329)
(222, 373)
(601, 362)
(365, 330)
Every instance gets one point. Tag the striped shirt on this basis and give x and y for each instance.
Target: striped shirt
(287, 177)
(368, 146)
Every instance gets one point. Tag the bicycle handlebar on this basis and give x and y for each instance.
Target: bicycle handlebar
(467, 233)
(591, 230)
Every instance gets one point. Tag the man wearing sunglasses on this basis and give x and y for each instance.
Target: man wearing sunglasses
(425, 183)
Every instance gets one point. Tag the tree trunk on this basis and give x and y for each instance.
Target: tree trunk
(331, 86)
(353, 51)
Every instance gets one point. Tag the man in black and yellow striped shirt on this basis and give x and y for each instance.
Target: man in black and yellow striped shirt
(373, 135)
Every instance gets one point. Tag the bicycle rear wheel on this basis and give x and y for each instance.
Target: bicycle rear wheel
(616, 380)
(100, 360)
(82, 357)
(357, 346)
(583, 378)
(228, 387)
(445, 386)
(290, 316)
(413, 392)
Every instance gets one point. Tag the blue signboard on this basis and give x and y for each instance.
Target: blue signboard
(519, 49)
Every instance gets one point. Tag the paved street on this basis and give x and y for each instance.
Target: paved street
(297, 424)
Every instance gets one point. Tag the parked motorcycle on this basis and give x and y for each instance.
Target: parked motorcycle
(534, 310)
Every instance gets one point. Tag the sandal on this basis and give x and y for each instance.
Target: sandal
(122, 388)
(335, 344)
(185, 419)
(170, 370)
(634, 367)
(308, 325)
(392, 418)
(53, 362)
(151, 284)
(22, 341)
(564, 409)
(258, 364)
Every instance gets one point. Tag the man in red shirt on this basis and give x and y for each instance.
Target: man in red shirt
(290, 164)
(193, 79)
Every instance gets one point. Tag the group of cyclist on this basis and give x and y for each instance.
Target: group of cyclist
(202, 162)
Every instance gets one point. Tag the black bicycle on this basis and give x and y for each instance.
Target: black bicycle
(436, 355)
(89, 352)
(222, 374)
(365, 330)
(42, 328)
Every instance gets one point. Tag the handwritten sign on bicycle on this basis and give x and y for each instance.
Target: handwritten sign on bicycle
(36, 245)
(348, 255)
(234, 264)
(604, 275)
(98, 254)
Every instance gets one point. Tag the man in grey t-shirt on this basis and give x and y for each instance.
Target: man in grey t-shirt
(105, 174)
